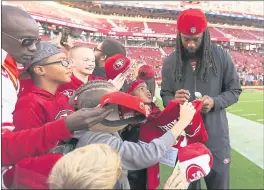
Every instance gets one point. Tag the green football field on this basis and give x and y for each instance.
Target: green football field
(250, 105)
(244, 173)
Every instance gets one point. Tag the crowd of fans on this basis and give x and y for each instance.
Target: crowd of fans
(104, 90)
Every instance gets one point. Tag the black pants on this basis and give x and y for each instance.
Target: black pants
(215, 179)
(137, 179)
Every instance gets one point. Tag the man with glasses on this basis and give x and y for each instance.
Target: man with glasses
(104, 50)
(20, 36)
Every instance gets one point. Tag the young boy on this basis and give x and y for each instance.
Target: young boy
(95, 166)
(42, 103)
(84, 63)
(134, 156)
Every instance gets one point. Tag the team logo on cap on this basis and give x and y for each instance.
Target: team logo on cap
(194, 173)
(193, 30)
(119, 64)
(63, 113)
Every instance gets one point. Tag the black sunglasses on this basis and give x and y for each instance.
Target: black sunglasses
(64, 63)
(25, 41)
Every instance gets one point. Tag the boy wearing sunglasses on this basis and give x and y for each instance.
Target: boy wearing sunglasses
(42, 103)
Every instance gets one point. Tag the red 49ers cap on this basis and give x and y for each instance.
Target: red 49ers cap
(191, 22)
(195, 160)
(134, 85)
(115, 65)
(146, 72)
(129, 104)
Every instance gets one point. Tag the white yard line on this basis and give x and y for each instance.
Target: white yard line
(234, 111)
(247, 138)
(250, 101)
(249, 114)
(260, 119)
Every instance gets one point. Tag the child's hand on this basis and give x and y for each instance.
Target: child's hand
(177, 180)
(118, 81)
(187, 112)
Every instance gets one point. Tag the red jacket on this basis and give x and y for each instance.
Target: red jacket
(17, 145)
(38, 107)
(68, 88)
(159, 123)
(25, 86)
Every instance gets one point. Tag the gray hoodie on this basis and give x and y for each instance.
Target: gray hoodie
(134, 156)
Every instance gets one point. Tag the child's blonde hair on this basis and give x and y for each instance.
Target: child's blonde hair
(95, 166)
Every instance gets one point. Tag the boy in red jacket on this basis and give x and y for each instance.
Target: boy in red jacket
(84, 63)
(42, 103)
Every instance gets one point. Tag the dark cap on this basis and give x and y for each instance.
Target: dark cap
(111, 47)
(44, 50)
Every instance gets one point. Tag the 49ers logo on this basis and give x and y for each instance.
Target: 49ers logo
(119, 64)
(194, 173)
(68, 92)
(63, 113)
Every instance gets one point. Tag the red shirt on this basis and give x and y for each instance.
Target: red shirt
(68, 88)
(38, 107)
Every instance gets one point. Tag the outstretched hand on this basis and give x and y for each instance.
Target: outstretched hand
(118, 81)
(187, 112)
(67, 45)
(177, 180)
(86, 118)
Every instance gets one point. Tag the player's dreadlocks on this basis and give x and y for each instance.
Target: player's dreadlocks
(90, 93)
(203, 63)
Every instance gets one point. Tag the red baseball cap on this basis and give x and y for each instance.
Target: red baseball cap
(191, 22)
(134, 85)
(126, 102)
(115, 65)
(195, 160)
(146, 72)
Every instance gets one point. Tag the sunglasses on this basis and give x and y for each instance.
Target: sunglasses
(64, 63)
(25, 41)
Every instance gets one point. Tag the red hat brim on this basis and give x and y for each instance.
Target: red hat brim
(131, 102)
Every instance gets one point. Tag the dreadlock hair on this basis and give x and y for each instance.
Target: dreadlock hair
(90, 93)
(203, 64)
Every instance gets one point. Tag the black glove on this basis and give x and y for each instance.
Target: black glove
(86, 118)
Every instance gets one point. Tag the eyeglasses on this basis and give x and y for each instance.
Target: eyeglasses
(64, 63)
(96, 49)
(25, 41)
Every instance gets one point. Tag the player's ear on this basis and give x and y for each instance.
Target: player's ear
(103, 57)
(39, 70)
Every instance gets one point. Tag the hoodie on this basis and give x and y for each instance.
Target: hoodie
(37, 107)
(68, 88)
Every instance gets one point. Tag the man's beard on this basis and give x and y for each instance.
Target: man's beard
(193, 54)
(190, 54)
